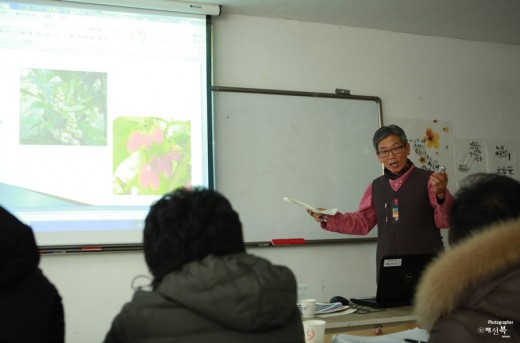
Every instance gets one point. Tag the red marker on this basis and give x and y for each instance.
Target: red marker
(87, 249)
(288, 241)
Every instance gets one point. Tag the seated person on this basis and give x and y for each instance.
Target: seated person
(471, 293)
(205, 287)
(30, 306)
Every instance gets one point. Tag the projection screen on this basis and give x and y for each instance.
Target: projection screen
(103, 110)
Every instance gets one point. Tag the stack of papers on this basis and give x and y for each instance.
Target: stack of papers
(293, 201)
(322, 308)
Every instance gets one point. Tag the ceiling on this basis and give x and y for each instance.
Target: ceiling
(495, 21)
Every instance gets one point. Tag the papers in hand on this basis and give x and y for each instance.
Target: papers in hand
(330, 212)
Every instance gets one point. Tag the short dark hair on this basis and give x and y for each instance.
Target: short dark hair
(482, 200)
(386, 131)
(187, 225)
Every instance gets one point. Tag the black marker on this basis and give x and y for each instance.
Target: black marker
(409, 340)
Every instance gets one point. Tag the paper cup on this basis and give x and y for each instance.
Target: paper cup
(314, 331)
(308, 307)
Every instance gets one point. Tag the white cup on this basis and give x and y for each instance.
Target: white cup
(308, 307)
(314, 331)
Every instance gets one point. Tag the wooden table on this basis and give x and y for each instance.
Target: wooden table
(387, 320)
(386, 329)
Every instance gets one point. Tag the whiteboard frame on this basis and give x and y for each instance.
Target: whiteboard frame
(339, 94)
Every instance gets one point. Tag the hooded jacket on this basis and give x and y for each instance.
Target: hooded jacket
(30, 306)
(472, 292)
(234, 298)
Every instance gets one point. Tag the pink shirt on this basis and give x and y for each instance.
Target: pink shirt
(362, 221)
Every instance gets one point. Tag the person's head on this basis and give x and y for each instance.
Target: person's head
(483, 199)
(392, 147)
(18, 250)
(187, 225)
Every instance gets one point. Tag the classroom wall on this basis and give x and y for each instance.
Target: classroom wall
(474, 85)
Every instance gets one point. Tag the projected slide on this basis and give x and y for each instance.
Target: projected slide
(151, 155)
(102, 112)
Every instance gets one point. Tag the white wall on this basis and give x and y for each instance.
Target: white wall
(474, 85)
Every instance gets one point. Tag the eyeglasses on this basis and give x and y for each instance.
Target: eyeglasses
(395, 151)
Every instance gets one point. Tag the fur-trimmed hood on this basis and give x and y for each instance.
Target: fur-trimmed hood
(455, 277)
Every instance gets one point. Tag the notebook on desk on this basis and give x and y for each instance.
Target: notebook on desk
(398, 277)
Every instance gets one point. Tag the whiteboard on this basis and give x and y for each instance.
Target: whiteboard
(314, 147)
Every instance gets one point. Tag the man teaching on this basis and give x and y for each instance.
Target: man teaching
(408, 204)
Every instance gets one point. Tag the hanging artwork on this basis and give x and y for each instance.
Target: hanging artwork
(502, 157)
(470, 157)
(431, 142)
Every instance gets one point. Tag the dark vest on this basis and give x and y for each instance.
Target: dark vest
(405, 219)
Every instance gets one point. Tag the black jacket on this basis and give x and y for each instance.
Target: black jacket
(230, 299)
(30, 306)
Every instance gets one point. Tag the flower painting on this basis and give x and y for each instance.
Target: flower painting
(432, 139)
(431, 142)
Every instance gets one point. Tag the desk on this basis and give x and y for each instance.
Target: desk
(354, 321)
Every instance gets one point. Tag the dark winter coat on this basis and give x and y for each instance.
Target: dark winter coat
(30, 306)
(236, 298)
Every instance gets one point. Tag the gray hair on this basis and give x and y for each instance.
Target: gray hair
(386, 131)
